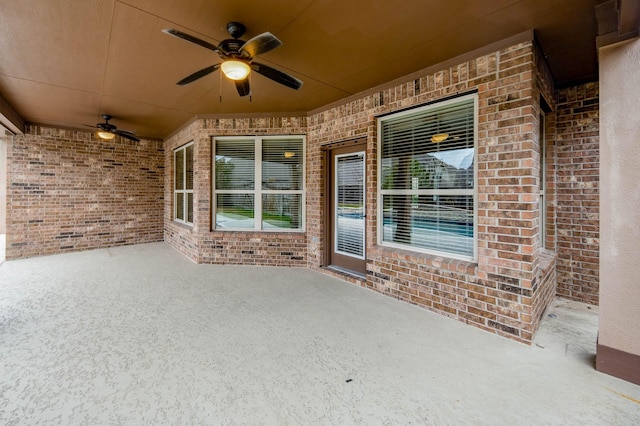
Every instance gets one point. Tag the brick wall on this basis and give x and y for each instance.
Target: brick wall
(199, 242)
(69, 191)
(181, 237)
(3, 183)
(577, 211)
(507, 290)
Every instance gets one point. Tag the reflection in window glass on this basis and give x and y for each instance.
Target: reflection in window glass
(235, 211)
(441, 223)
(281, 211)
(235, 164)
(190, 207)
(180, 206)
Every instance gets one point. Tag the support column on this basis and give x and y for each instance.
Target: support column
(618, 351)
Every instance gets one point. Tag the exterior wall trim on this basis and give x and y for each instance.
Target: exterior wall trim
(617, 363)
(326, 179)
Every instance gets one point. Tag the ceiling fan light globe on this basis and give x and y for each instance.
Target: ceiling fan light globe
(235, 70)
(106, 135)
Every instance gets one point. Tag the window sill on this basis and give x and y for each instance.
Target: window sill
(547, 259)
(183, 225)
(253, 234)
(430, 260)
(261, 231)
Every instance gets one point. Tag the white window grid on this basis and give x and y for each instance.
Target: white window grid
(257, 191)
(185, 198)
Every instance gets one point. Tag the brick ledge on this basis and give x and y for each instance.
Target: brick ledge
(435, 261)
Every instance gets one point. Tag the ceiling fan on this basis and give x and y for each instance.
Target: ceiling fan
(108, 131)
(237, 58)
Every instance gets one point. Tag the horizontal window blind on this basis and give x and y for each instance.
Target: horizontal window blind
(281, 164)
(179, 169)
(439, 223)
(189, 167)
(235, 165)
(350, 223)
(427, 178)
(425, 150)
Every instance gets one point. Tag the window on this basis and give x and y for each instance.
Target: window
(426, 182)
(543, 179)
(258, 183)
(183, 184)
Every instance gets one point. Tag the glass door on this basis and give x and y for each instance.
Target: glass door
(348, 209)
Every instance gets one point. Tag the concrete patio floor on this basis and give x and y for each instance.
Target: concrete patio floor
(141, 335)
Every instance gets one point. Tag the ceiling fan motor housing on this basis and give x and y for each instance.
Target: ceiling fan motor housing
(230, 47)
(236, 29)
(106, 126)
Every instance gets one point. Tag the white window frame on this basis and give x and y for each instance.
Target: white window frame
(257, 191)
(185, 199)
(474, 192)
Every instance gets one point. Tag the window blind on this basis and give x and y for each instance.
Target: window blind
(427, 178)
(235, 164)
(281, 164)
(350, 224)
(259, 183)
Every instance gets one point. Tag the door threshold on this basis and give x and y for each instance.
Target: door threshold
(348, 272)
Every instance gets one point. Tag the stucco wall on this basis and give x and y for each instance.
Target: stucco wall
(620, 197)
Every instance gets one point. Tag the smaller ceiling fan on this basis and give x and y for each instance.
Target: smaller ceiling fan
(237, 58)
(108, 131)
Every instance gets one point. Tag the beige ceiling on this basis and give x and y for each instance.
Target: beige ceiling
(65, 62)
